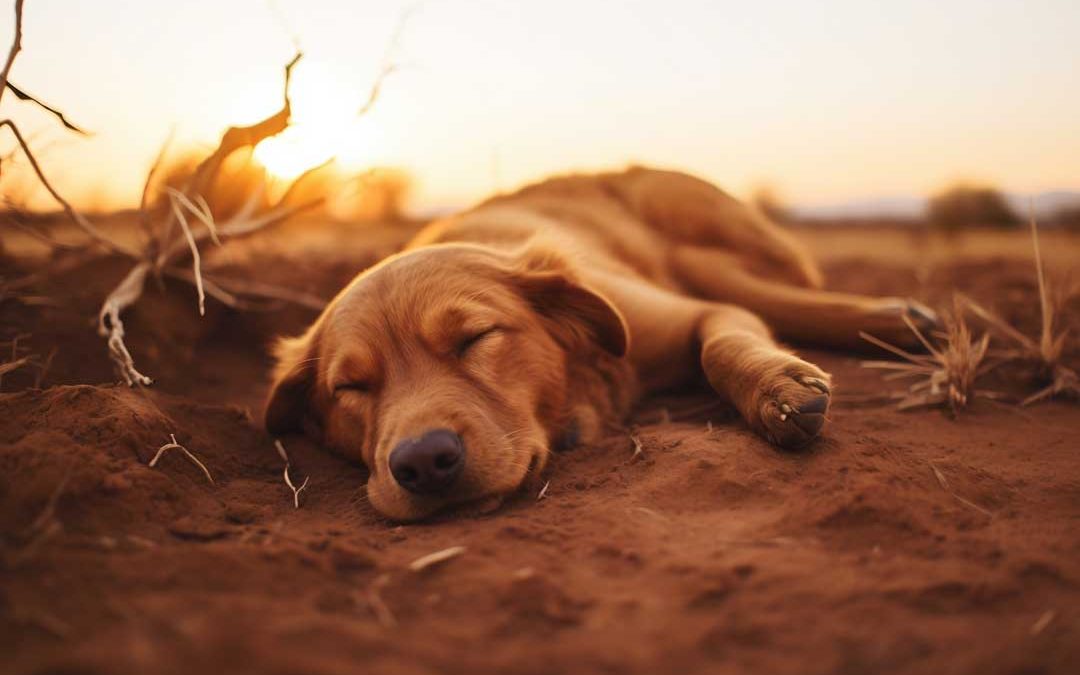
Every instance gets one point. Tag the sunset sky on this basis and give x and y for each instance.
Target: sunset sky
(826, 101)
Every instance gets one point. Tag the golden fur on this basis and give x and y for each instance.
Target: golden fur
(537, 318)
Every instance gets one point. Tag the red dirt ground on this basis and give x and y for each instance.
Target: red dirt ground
(899, 543)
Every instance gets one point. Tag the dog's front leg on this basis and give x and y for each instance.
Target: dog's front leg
(782, 397)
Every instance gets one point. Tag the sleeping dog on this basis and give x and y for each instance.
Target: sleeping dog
(536, 319)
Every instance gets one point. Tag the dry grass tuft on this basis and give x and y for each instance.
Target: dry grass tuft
(945, 376)
(187, 453)
(1045, 353)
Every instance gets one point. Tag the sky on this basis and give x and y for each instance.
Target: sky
(824, 101)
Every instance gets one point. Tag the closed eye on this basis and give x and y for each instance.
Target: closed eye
(472, 340)
(360, 387)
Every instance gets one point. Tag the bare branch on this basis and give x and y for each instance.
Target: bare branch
(289, 191)
(196, 259)
(264, 291)
(144, 214)
(240, 225)
(75, 216)
(388, 66)
(16, 47)
(111, 327)
(232, 140)
(23, 96)
(229, 292)
(200, 211)
(236, 138)
(43, 237)
(376, 88)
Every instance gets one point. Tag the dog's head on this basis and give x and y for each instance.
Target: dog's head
(445, 370)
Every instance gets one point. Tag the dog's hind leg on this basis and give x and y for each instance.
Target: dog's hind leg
(689, 210)
(800, 314)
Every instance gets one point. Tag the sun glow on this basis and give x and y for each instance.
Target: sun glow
(324, 126)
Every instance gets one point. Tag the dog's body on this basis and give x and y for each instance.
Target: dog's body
(536, 318)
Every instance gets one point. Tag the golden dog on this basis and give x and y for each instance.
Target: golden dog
(537, 318)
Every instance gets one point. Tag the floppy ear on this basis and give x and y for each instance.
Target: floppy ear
(288, 406)
(574, 313)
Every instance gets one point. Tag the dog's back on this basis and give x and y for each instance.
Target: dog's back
(631, 222)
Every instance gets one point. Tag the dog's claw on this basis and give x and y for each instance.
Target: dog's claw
(814, 383)
(798, 414)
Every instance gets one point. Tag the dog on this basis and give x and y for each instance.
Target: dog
(535, 320)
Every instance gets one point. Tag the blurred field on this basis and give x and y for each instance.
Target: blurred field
(900, 543)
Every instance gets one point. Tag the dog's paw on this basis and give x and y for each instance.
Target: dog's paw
(887, 321)
(793, 405)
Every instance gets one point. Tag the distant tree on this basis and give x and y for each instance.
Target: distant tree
(381, 196)
(769, 203)
(1067, 217)
(963, 206)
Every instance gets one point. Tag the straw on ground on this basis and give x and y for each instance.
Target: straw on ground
(945, 376)
(288, 481)
(187, 453)
(1046, 352)
(436, 558)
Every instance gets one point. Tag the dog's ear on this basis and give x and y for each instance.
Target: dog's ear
(575, 314)
(288, 406)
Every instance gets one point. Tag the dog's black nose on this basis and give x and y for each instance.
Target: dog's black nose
(429, 464)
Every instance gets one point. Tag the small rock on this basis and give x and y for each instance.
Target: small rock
(198, 529)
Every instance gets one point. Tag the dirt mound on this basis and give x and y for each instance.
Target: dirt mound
(899, 543)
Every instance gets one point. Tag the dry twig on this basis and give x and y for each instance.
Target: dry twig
(176, 446)
(382, 613)
(1043, 621)
(424, 562)
(940, 476)
(389, 64)
(111, 327)
(76, 217)
(58, 114)
(12, 366)
(288, 481)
